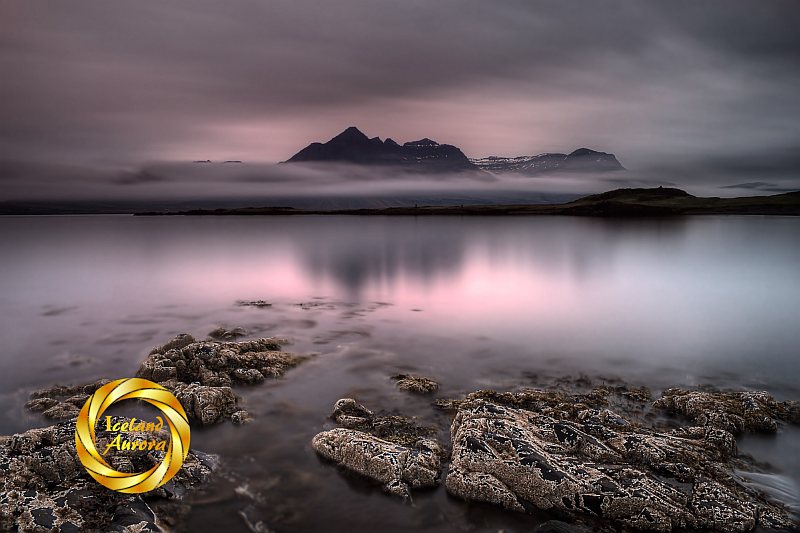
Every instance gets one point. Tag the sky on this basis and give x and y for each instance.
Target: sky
(95, 95)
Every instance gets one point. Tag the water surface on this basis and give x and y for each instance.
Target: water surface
(473, 302)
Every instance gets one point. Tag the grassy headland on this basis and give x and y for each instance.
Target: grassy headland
(660, 201)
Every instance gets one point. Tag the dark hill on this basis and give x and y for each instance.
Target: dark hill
(352, 146)
(581, 160)
(656, 202)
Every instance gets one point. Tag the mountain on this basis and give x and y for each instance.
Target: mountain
(581, 160)
(352, 146)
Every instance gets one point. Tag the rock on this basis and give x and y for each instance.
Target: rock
(241, 417)
(224, 334)
(180, 341)
(390, 449)
(203, 404)
(557, 526)
(206, 405)
(60, 402)
(253, 303)
(548, 450)
(248, 376)
(218, 364)
(45, 487)
(416, 384)
(200, 374)
(734, 412)
(398, 468)
(394, 428)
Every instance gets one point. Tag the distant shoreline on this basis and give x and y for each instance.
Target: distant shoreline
(653, 202)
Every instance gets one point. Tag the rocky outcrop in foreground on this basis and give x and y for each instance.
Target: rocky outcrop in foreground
(44, 487)
(388, 449)
(398, 468)
(601, 455)
(199, 373)
(573, 456)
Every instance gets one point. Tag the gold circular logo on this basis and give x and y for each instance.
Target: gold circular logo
(175, 452)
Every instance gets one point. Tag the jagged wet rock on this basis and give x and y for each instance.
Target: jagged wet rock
(556, 526)
(62, 402)
(219, 364)
(199, 373)
(539, 449)
(394, 428)
(390, 449)
(203, 404)
(45, 488)
(206, 405)
(734, 412)
(416, 384)
(225, 334)
(398, 468)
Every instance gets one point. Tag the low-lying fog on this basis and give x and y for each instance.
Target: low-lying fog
(226, 184)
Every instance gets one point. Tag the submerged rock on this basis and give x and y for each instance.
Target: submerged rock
(547, 450)
(45, 488)
(416, 384)
(224, 334)
(734, 412)
(253, 303)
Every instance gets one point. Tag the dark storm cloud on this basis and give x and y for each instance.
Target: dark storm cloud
(668, 86)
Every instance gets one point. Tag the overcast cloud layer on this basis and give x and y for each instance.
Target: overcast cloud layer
(683, 91)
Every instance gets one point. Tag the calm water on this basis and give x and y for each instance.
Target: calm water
(473, 302)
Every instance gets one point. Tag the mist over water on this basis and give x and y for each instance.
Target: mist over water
(58, 189)
(473, 302)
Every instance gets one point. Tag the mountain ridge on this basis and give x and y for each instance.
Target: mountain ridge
(355, 147)
(580, 160)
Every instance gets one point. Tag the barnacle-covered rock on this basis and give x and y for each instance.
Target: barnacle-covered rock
(224, 334)
(390, 449)
(200, 374)
(392, 427)
(44, 487)
(538, 450)
(218, 364)
(62, 402)
(398, 468)
(206, 405)
(735, 412)
(415, 384)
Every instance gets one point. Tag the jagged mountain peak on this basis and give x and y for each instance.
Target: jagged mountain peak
(351, 134)
(353, 146)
